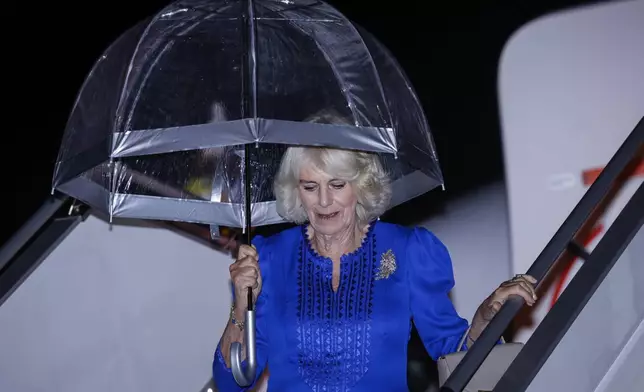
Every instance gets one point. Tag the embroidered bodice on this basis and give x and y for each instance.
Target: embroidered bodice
(353, 339)
(333, 328)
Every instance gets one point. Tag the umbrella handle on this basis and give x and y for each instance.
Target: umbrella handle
(245, 378)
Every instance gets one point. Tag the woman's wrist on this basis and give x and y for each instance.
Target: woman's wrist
(479, 323)
(238, 316)
(470, 340)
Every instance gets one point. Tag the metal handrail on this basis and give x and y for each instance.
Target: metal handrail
(20, 238)
(476, 355)
(560, 318)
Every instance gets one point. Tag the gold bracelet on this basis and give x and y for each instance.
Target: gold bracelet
(239, 324)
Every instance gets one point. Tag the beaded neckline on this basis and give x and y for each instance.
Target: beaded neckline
(318, 257)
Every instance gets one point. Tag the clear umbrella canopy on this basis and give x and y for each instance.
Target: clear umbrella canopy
(160, 125)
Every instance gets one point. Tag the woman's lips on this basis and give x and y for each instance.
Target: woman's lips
(327, 216)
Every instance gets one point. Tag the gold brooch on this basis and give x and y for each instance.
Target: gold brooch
(387, 265)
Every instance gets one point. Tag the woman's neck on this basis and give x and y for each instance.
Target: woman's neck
(337, 245)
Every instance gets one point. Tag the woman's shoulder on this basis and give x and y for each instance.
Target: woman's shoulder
(280, 247)
(400, 230)
(286, 238)
(413, 236)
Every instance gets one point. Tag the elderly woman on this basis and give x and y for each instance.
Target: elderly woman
(335, 296)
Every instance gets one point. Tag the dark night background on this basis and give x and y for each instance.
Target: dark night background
(449, 50)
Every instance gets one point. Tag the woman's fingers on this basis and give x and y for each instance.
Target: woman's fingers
(246, 251)
(521, 285)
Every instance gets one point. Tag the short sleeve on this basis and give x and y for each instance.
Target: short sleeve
(222, 375)
(430, 278)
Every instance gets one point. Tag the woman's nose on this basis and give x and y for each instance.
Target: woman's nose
(324, 198)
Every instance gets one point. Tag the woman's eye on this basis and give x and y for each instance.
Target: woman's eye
(339, 185)
(309, 188)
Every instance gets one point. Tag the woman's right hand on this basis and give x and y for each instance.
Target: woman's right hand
(245, 273)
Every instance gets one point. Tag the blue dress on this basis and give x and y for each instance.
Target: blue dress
(354, 339)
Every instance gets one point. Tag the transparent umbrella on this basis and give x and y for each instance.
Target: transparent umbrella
(186, 116)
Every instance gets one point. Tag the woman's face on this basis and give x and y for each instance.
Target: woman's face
(329, 203)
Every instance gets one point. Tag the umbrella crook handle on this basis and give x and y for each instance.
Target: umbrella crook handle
(245, 378)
